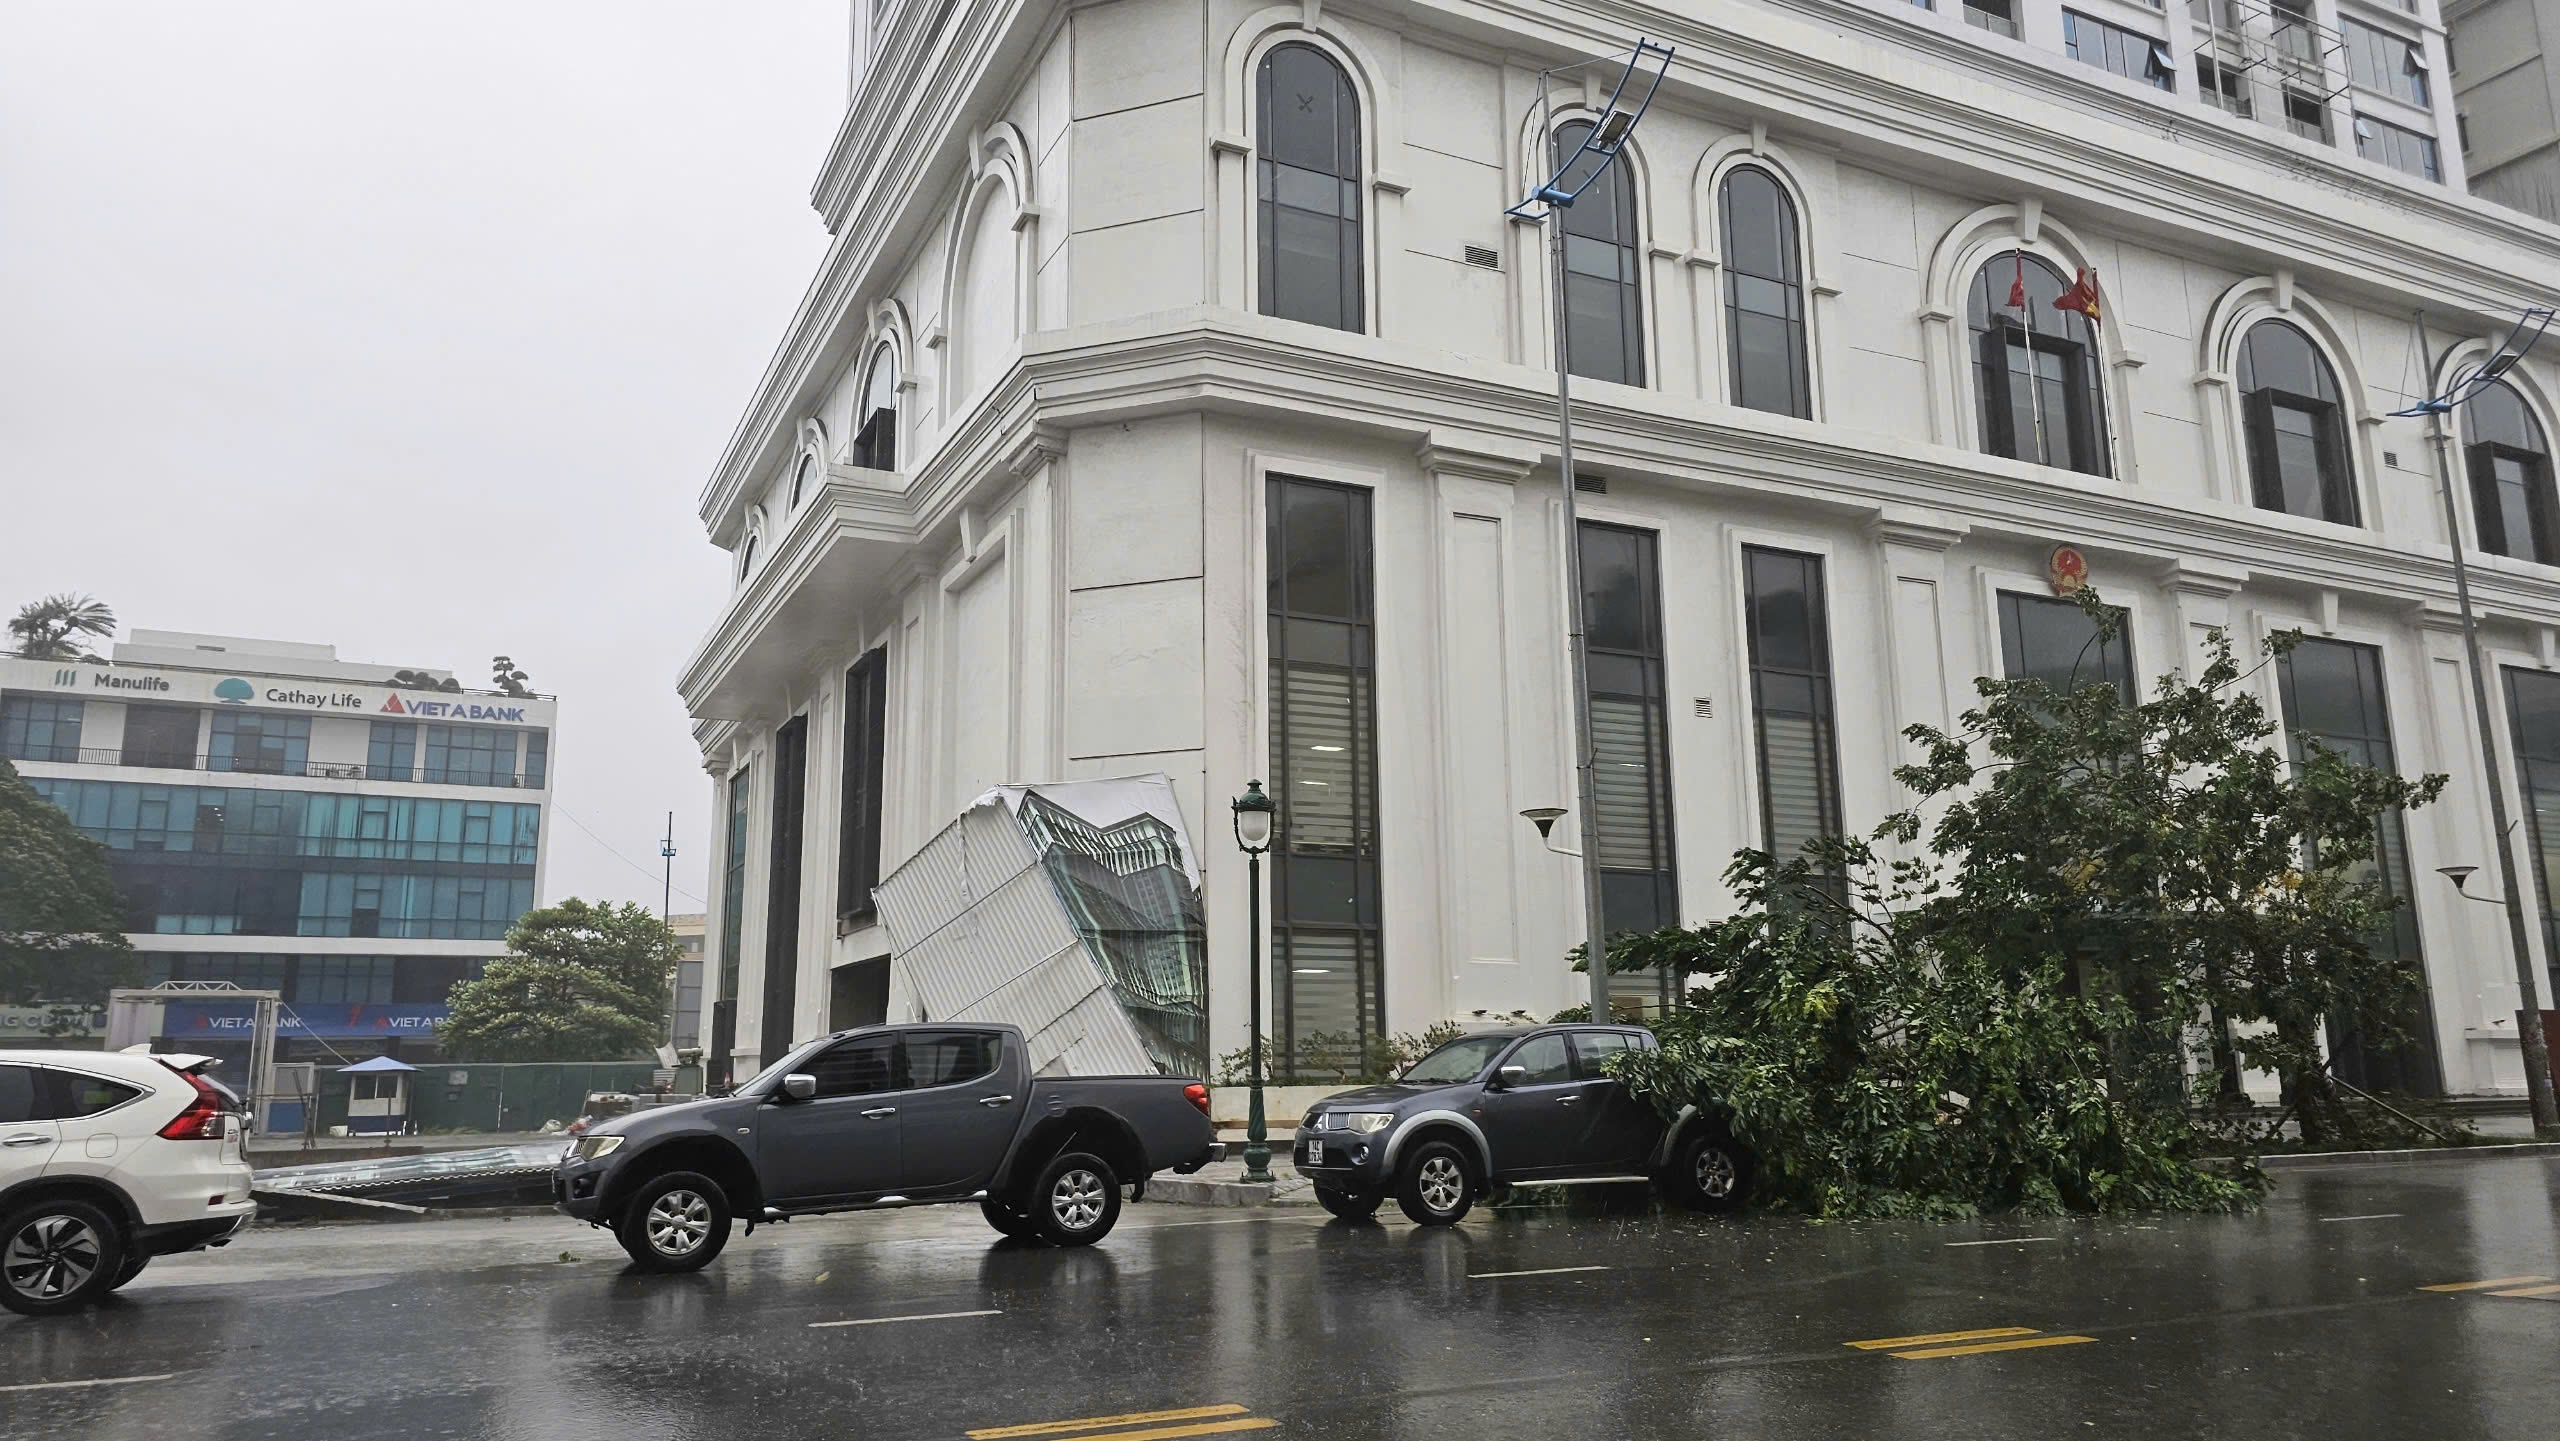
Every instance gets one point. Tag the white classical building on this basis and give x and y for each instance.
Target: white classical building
(1176, 396)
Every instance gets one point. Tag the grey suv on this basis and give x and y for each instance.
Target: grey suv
(1519, 1104)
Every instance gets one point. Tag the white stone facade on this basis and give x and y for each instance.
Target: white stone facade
(1046, 215)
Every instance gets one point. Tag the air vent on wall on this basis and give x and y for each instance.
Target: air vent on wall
(1591, 484)
(1481, 255)
(1706, 708)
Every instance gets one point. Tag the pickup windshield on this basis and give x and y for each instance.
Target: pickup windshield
(1461, 1060)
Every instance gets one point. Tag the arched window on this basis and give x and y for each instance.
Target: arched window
(1309, 178)
(1763, 294)
(875, 437)
(2297, 426)
(2035, 368)
(2510, 476)
(1603, 318)
(800, 479)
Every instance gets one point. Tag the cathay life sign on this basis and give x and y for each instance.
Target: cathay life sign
(92, 681)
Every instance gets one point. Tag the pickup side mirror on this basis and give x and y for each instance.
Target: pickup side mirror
(798, 1086)
(1510, 1076)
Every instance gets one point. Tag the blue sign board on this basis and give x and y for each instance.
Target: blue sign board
(335, 1021)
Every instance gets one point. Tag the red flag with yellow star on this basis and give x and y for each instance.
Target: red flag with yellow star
(2082, 296)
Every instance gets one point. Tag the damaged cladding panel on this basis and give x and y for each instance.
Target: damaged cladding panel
(1070, 910)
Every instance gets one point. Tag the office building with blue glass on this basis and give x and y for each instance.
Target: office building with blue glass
(284, 820)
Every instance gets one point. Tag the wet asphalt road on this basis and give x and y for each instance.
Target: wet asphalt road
(2307, 1319)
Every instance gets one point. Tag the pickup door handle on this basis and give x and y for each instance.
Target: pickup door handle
(25, 1141)
(995, 1100)
(1567, 1100)
(877, 1111)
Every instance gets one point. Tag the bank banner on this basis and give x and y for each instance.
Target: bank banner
(333, 1021)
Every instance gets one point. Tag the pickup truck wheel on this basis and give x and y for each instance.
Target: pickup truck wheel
(58, 1256)
(1349, 1205)
(1076, 1201)
(1709, 1171)
(1434, 1186)
(677, 1222)
(1008, 1220)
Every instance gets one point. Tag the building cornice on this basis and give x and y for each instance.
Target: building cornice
(1206, 360)
(1497, 422)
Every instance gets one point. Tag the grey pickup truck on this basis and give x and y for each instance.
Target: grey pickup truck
(886, 1116)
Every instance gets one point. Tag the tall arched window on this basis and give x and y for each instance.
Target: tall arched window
(800, 479)
(1763, 294)
(2297, 426)
(2510, 476)
(1309, 179)
(1603, 314)
(2035, 368)
(875, 436)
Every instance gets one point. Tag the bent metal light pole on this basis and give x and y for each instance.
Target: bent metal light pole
(2529, 1033)
(1643, 67)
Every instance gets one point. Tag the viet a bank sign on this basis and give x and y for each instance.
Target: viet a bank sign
(338, 1021)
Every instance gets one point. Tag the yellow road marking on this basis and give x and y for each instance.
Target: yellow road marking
(2028, 1344)
(2530, 1291)
(1205, 1428)
(1891, 1343)
(1133, 1418)
(2485, 1285)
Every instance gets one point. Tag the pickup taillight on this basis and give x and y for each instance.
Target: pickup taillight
(1197, 1095)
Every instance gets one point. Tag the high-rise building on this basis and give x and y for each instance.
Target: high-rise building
(356, 837)
(2506, 95)
(1176, 396)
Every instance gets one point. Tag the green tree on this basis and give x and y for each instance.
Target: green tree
(49, 629)
(581, 981)
(61, 920)
(2170, 851)
(1990, 1001)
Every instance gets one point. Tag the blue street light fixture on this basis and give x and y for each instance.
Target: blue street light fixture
(1639, 76)
(1254, 813)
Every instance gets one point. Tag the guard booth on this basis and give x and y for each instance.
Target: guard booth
(378, 1097)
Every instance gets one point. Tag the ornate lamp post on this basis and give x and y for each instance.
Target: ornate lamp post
(1253, 815)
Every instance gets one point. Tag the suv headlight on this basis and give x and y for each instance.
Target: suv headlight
(593, 1148)
(1364, 1123)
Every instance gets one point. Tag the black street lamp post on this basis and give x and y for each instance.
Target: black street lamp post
(1253, 815)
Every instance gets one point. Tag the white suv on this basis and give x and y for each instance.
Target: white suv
(107, 1160)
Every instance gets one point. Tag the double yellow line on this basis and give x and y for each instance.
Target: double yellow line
(1938, 1344)
(1151, 1425)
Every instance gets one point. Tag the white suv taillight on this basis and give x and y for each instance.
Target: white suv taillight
(204, 1119)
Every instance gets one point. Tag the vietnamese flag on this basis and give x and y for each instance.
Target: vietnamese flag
(2082, 296)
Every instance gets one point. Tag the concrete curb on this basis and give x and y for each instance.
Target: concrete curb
(2321, 1160)
(1209, 1191)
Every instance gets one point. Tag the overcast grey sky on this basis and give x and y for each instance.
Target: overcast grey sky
(413, 328)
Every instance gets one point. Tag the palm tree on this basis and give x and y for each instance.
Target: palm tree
(44, 629)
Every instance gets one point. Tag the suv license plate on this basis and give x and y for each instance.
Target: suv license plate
(1315, 1153)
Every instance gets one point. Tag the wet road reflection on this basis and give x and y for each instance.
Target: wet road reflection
(1624, 1322)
